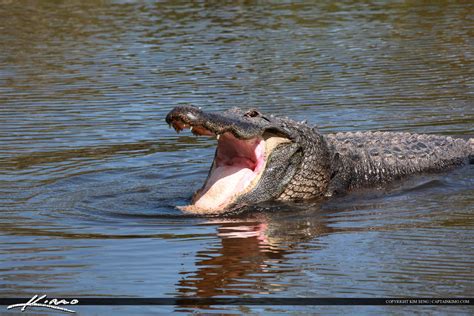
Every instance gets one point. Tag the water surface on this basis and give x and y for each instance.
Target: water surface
(90, 173)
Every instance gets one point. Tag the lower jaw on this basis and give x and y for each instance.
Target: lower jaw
(203, 204)
(227, 184)
(194, 209)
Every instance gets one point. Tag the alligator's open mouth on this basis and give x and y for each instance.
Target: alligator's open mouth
(238, 165)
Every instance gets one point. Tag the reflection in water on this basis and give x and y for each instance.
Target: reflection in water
(237, 267)
(90, 173)
(250, 257)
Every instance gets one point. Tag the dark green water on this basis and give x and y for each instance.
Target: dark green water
(90, 173)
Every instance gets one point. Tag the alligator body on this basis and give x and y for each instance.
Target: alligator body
(260, 158)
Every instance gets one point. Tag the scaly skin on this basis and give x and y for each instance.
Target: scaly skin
(312, 165)
(370, 159)
(374, 158)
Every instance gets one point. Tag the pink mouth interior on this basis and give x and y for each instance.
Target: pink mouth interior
(237, 163)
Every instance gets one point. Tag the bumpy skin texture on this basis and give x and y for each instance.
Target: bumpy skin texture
(313, 165)
(314, 173)
(370, 159)
(374, 158)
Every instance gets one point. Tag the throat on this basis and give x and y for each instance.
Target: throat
(237, 164)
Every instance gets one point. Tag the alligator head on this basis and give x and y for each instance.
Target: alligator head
(258, 158)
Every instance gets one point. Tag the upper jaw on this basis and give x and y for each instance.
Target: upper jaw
(243, 125)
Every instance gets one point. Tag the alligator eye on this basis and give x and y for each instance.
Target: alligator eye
(252, 113)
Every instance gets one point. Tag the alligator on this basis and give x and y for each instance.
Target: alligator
(263, 158)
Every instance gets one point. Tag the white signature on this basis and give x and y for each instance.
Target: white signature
(41, 301)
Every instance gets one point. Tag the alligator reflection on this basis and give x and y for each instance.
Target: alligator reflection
(252, 253)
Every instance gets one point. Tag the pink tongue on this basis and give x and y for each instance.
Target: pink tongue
(225, 181)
